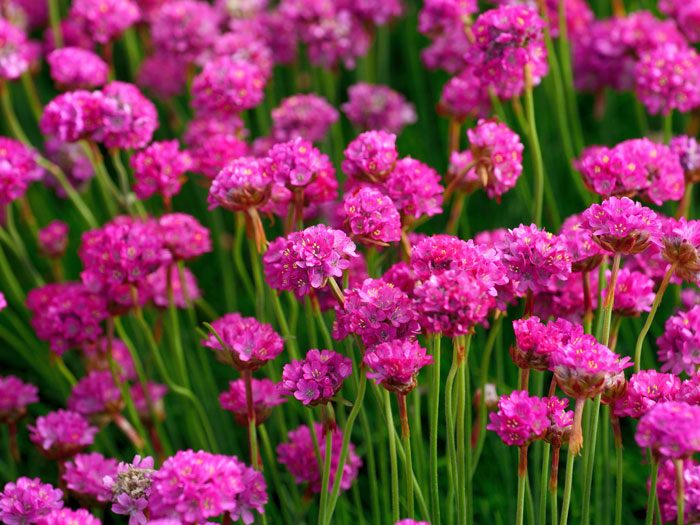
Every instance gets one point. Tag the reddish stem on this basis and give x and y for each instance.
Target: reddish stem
(554, 470)
(128, 430)
(576, 439)
(403, 415)
(14, 447)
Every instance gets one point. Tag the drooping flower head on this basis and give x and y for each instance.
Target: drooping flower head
(18, 168)
(315, 379)
(395, 364)
(128, 118)
(84, 475)
(560, 420)
(241, 185)
(298, 455)
(248, 343)
(227, 85)
(688, 151)
(644, 390)
(671, 429)
(681, 247)
(307, 116)
(61, 434)
(53, 239)
(76, 68)
(266, 395)
(377, 107)
(184, 29)
(679, 345)
(520, 419)
(28, 500)
(621, 225)
(160, 168)
(305, 260)
(183, 236)
(371, 156)
(105, 20)
(371, 217)
(15, 395)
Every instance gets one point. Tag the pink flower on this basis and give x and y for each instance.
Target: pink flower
(183, 236)
(634, 293)
(436, 15)
(644, 390)
(520, 419)
(61, 434)
(679, 346)
(305, 260)
(409, 521)
(84, 476)
(506, 40)
(96, 357)
(73, 116)
(13, 51)
(95, 394)
(295, 164)
(65, 515)
(162, 75)
(248, 343)
(688, 151)
(266, 395)
(165, 280)
(184, 29)
(105, 20)
(18, 168)
(377, 312)
(671, 429)
(621, 225)
(371, 217)
(374, 12)
(160, 168)
(681, 245)
(53, 239)
(666, 490)
(307, 116)
(15, 395)
(76, 68)
(415, 189)
(315, 379)
(667, 78)
(465, 95)
(377, 107)
(131, 488)
(298, 455)
(560, 420)
(535, 342)
(128, 119)
(371, 156)
(585, 253)
(395, 364)
(227, 85)
(28, 500)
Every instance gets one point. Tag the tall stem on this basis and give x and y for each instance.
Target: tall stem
(536, 153)
(393, 461)
(566, 501)
(651, 499)
(553, 484)
(250, 411)
(650, 316)
(522, 480)
(588, 480)
(544, 477)
(680, 492)
(434, 413)
(617, 439)
(610, 299)
(406, 440)
(326, 411)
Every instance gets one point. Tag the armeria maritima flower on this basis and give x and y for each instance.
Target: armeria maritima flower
(18, 169)
(377, 107)
(84, 475)
(242, 184)
(130, 487)
(228, 85)
(681, 247)
(315, 379)
(560, 420)
(183, 236)
(95, 394)
(266, 395)
(371, 156)
(128, 119)
(585, 253)
(634, 293)
(671, 429)
(307, 116)
(305, 260)
(61, 434)
(371, 217)
(248, 343)
(73, 115)
(14, 51)
(395, 364)
(184, 29)
(644, 390)
(76, 68)
(166, 280)
(15, 395)
(162, 75)
(104, 20)
(295, 163)
(28, 500)
(688, 151)
(66, 515)
(160, 168)
(415, 189)
(520, 419)
(53, 239)
(535, 342)
(679, 346)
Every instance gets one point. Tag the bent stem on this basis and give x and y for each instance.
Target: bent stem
(650, 316)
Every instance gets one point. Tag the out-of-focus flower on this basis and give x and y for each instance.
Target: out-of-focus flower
(227, 85)
(371, 157)
(634, 293)
(105, 20)
(163, 75)
(679, 346)
(18, 169)
(688, 151)
(53, 239)
(415, 189)
(73, 115)
(74, 162)
(315, 379)
(13, 51)
(28, 500)
(167, 280)
(378, 107)
(15, 395)
(184, 29)
(76, 68)
(84, 476)
(66, 515)
(671, 429)
(61, 434)
(95, 395)
(160, 168)
(307, 116)
(128, 119)
(183, 236)
(266, 396)
(644, 390)
(465, 95)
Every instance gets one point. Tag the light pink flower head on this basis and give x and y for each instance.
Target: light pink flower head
(61, 434)
(395, 364)
(520, 419)
(28, 500)
(15, 395)
(315, 379)
(671, 429)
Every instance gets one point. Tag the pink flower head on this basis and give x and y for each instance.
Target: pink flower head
(53, 239)
(184, 29)
(371, 217)
(128, 118)
(679, 346)
(307, 116)
(583, 366)
(560, 420)
(436, 16)
(95, 394)
(131, 488)
(315, 379)
(66, 515)
(15, 395)
(84, 476)
(73, 116)
(507, 39)
(160, 168)
(667, 79)
(690, 390)
(585, 253)
(688, 151)
(634, 293)
(495, 159)
(621, 225)
(644, 390)
(415, 189)
(266, 395)
(395, 364)
(681, 247)
(61, 434)
(152, 405)
(671, 429)
(248, 343)
(18, 168)
(401, 275)
(76, 68)
(377, 107)
(241, 185)
(686, 15)
(195, 486)
(298, 455)
(3, 302)
(244, 42)
(105, 20)
(305, 260)
(28, 500)
(228, 85)
(66, 315)
(666, 490)
(535, 342)
(377, 12)
(371, 156)
(377, 312)
(295, 164)
(465, 95)
(163, 75)
(535, 259)
(183, 236)
(14, 51)
(96, 357)
(520, 419)
(165, 280)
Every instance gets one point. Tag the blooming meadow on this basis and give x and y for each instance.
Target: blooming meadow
(349, 262)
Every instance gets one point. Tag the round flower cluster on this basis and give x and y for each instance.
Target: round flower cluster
(535, 342)
(299, 456)
(28, 501)
(74, 162)
(73, 116)
(315, 379)
(184, 29)
(680, 343)
(520, 419)
(644, 390)
(671, 429)
(15, 395)
(681, 245)
(376, 107)
(18, 169)
(307, 116)
(128, 119)
(247, 343)
(371, 157)
(241, 185)
(227, 85)
(76, 68)
(162, 75)
(15, 51)
(415, 189)
(160, 168)
(371, 217)
(53, 239)
(105, 20)
(634, 293)
(395, 364)
(84, 476)
(305, 260)
(95, 394)
(266, 395)
(465, 95)
(61, 434)
(666, 490)
(183, 236)
(295, 164)
(688, 151)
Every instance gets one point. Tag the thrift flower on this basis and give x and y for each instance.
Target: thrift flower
(28, 500)
(377, 107)
(315, 379)
(520, 419)
(671, 429)
(61, 434)
(266, 395)
(395, 364)
(160, 168)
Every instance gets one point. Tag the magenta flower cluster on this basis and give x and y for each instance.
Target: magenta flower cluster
(315, 379)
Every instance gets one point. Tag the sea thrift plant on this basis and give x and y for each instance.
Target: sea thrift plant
(520, 419)
(266, 396)
(84, 477)
(680, 342)
(76, 68)
(376, 107)
(61, 434)
(395, 364)
(306, 116)
(53, 239)
(160, 168)
(371, 157)
(18, 169)
(670, 429)
(315, 379)
(28, 501)
(371, 217)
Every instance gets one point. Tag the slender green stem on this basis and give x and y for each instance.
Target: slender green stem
(250, 414)
(566, 500)
(619, 472)
(651, 498)
(434, 418)
(544, 478)
(568, 77)
(55, 18)
(650, 317)
(241, 270)
(32, 96)
(610, 299)
(588, 480)
(326, 474)
(522, 482)
(452, 463)
(668, 127)
(680, 492)
(73, 195)
(10, 116)
(393, 461)
(408, 459)
(535, 152)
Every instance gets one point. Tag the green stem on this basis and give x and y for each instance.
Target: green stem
(393, 462)
(522, 481)
(651, 498)
(250, 412)
(10, 116)
(610, 299)
(566, 501)
(408, 459)
(453, 465)
(650, 317)
(680, 492)
(668, 127)
(544, 478)
(32, 96)
(588, 480)
(55, 18)
(326, 475)
(535, 152)
(73, 195)
(434, 418)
